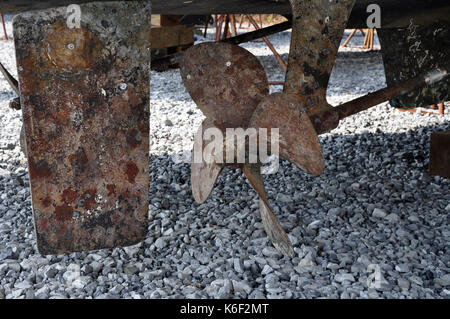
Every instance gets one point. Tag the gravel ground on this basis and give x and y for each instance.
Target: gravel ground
(374, 225)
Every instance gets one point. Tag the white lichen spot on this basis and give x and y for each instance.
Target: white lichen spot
(98, 199)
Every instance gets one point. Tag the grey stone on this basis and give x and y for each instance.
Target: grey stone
(307, 261)
(51, 272)
(96, 266)
(444, 280)
(344, 277)
(23, 285)
(160, 243)
(14, 266)
(416, 280)
(403, 283)
(379, 213)
(116, 289)
(271, 252)
(242, 287)
(131, 270)
(266, 270)
(238, 265)
(284, 198)
(393, 218)
(403, 268)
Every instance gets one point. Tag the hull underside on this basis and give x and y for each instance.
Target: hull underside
(395, 13)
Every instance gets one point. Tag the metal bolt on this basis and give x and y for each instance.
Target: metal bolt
(71, 46)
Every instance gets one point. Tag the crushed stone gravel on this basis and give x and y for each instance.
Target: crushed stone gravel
(373, 225)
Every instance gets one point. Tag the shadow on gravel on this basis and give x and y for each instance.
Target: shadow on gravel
(409, 148)
(369, 159)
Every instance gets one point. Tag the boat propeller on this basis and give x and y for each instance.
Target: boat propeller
(230, 86)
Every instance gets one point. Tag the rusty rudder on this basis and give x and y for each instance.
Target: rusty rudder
(85, 101)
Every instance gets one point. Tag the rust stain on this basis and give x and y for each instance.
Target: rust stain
(111, 189)
(79, 159)
(225, 81)
(43, 223)
(39, 170)
(71, 50)
(89, 198)
(134, 138)
(68, 196)
(46, 202)
(63, 213)
(131, 170)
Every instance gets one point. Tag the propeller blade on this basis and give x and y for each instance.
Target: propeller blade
(273, 229)
(298, 140)
(203, 174)
(225, 81)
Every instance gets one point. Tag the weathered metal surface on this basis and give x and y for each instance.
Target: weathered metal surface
(328, 120)
(411, 51)
(225, 81)
(203, 174)
(440, 154)
(317, 29)
(298, 140)
(85, 103)
(273, 229)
